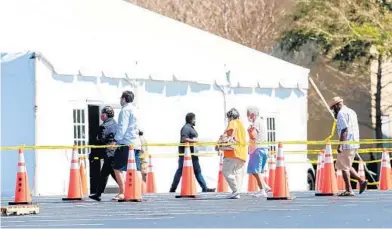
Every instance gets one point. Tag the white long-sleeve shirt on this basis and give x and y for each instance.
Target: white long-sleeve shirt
(127, 128)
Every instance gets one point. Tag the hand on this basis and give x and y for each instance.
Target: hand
(338, 149)
(112, 144)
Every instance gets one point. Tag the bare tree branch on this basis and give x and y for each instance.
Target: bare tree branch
(386, 85)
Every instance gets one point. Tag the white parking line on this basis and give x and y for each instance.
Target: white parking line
(52, 225)
(71, 217)
(96, 219)
(309, 205)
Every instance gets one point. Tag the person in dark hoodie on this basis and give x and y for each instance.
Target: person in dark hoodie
(105, 137)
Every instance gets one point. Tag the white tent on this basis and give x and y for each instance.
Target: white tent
(110, 36)
(113, 40)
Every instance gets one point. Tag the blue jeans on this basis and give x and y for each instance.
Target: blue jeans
(196, 170)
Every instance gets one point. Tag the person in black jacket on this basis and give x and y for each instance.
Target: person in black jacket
(105, 137)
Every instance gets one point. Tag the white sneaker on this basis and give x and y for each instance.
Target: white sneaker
(262, 193)
(234, 195)
(268, 189)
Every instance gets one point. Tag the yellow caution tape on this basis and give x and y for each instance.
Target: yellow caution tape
(369, 183)
(58, 147)
(332, 131)
(332, 142)
(214, 154)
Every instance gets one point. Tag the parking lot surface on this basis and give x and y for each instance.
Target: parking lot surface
(371, 209)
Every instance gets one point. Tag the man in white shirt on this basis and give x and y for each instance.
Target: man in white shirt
(127, 134)
(348, 130)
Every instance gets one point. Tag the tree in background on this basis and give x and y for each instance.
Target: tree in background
(253, 23)
(350, 33)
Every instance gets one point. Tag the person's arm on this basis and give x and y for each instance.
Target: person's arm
(101, 135)
(110, 133)
(252, 131)
(230, 129)
(122, 125)
(228, 132)
(186, 136)
(342, 127)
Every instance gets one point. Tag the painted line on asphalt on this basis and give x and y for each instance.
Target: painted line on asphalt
(128, 213)
(52, 225)
(111, 208)
(309, 205)
(96, 219)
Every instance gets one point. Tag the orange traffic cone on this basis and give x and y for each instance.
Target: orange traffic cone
(341, 185)
(329, 184)
(22, 189)
(188, 182)
(265, 172)
(252, 184)
(133, 180)
(83, 176)
(361, 172)
(151, 188)
(322, 170)
(75, 182)
(281, 187)
(271, 173)
(318, 171)
(385, 173)
(222, 183)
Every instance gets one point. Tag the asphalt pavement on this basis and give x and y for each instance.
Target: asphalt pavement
(370, 209)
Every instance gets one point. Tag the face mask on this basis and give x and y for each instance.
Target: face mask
(335, 113)
(250, 117)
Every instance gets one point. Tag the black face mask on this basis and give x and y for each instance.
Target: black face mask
(335, 110)
(335, 114)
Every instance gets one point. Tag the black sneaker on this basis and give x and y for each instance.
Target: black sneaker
(172, 190)
(209, 190)
(95, 197)
(362, 187)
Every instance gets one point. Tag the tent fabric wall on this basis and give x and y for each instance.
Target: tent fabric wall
(54, 127)
(163, 106)
(17, 116)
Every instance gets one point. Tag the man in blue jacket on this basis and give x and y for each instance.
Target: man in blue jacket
(105, 136)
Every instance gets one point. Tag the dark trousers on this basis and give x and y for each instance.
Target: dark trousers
(196, 170)
(106, 170)
(95, 174)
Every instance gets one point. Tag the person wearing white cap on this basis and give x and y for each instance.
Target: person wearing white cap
(348, 130)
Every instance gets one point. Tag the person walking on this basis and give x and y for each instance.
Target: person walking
(348, 130)
(189, 135)
(143, 156)
(234, 153)
(258, 154)
(127, 134)
(105, 136)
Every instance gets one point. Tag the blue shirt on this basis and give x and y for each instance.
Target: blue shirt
(127, 129)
